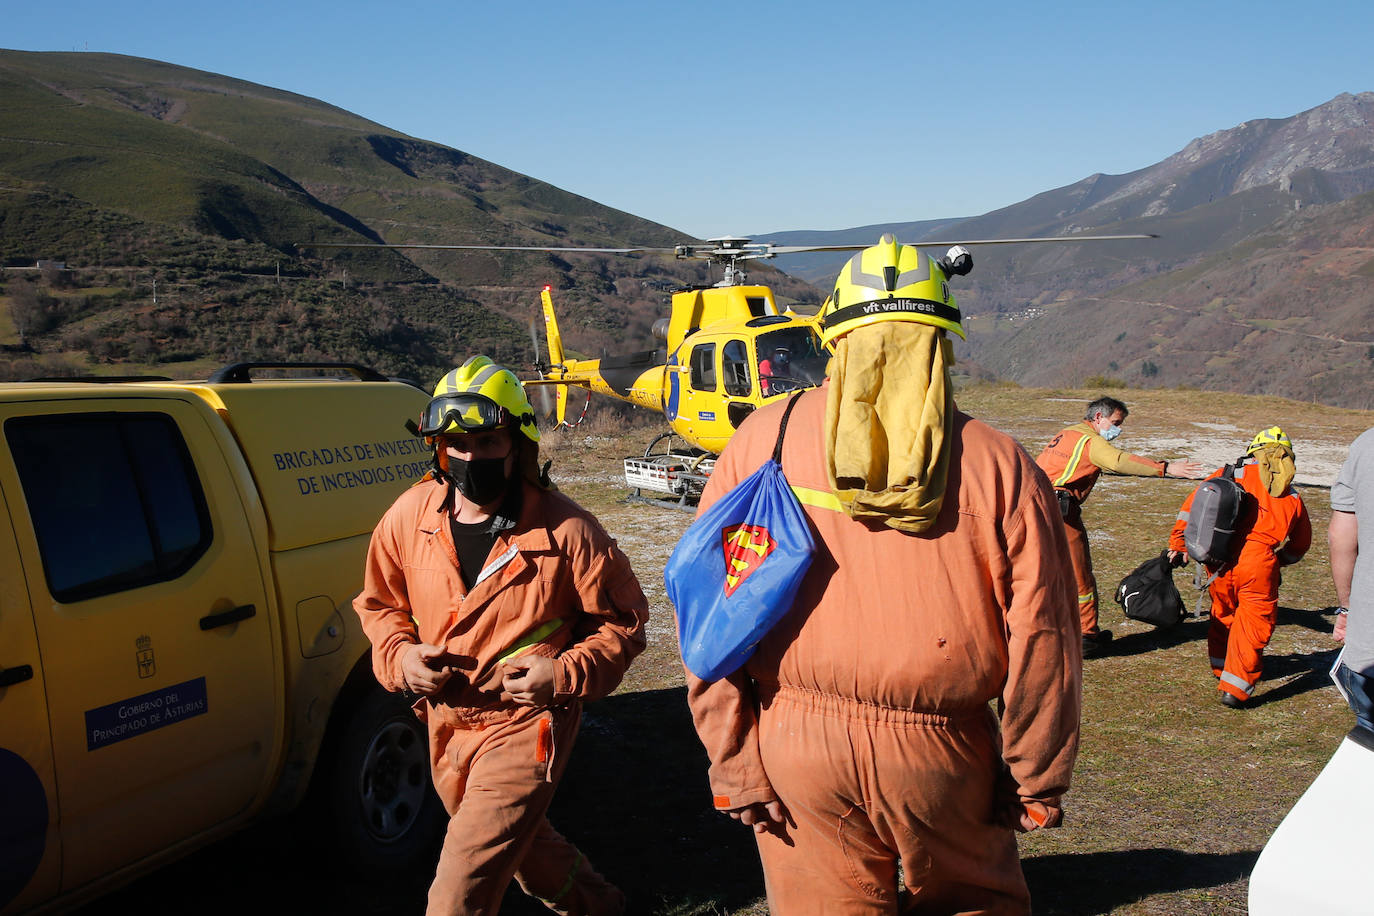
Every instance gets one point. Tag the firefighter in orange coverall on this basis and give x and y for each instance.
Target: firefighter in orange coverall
(859, 735)
(1073, 460)
(1274, 531)
(504, 605)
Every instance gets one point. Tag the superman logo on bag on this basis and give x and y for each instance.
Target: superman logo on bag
(746, 547)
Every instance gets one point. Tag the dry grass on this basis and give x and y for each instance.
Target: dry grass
(1173, 796)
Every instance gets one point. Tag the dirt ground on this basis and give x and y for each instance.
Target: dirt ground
(1173, 794)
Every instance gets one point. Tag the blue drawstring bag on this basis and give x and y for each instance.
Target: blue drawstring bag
(737, 568)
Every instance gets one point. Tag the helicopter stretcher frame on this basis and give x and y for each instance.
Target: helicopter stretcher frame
(682, 476)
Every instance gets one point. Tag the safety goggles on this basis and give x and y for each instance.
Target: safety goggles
(470, 413)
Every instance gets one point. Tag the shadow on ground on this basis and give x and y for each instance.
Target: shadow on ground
(634, 799)
(1190, 630)
(1100, 882)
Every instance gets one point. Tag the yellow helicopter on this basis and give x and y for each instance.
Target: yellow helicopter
(722, 352)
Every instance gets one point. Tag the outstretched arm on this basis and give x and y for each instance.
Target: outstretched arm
(1185, 468)
(1113, 460)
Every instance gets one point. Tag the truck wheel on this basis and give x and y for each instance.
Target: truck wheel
(381, 799)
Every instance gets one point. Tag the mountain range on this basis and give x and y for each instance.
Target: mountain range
(1259, 280)
(222, 191)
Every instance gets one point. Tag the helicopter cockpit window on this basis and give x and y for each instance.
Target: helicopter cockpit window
(789, 358)
(704, 367)
(734, 365)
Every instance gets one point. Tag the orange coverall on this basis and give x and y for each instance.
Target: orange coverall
(865, 710)
(554, 585)
(1073, 460)
(1245, 595)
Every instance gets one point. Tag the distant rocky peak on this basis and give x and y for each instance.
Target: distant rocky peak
(1336, 138)
(1345, 111)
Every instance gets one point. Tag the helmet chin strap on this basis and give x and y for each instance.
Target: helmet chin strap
(440, 465)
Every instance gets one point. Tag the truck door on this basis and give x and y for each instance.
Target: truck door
(152, 620)
(30, 851)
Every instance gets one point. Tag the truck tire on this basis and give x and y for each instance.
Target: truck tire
(380, 796)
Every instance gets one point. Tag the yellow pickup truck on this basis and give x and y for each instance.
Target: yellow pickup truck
(178, 652)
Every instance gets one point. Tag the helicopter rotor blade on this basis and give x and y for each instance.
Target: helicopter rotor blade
(543, 398)
(799, 249)
(534, 342)
(723, 249)
(482, 247)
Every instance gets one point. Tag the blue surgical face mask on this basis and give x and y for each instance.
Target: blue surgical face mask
(1111, 432)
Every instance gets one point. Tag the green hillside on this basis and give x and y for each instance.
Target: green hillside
(133, 173)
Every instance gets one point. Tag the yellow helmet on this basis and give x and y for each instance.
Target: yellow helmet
(1271, 436)
(889, 282)
(478, 395)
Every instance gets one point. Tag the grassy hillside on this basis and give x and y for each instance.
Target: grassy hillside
(1173, 795)
(132, 171)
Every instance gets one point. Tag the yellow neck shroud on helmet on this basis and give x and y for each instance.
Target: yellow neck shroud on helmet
(890, 405)
(887, 418)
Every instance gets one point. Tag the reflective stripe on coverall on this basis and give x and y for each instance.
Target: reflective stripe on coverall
(1073, 461)
(1245, 595)
(865, 709)
(554, 585)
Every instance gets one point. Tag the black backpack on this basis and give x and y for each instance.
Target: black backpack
(1148, 593)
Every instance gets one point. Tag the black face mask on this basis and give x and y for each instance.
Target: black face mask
(481, 481)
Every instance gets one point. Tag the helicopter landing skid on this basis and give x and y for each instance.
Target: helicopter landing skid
(680, 478)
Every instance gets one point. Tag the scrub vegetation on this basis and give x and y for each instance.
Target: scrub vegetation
(1174, 795)
(155, 219)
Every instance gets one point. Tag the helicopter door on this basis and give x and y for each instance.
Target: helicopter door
(698, 401)
(734, 365)
(736, 369)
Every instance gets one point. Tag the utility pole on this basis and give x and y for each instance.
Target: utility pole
(154, 290)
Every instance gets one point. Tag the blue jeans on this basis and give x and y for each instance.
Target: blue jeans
(1361, 690)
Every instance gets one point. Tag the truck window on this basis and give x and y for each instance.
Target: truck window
(115, 500)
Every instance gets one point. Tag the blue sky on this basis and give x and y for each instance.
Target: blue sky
(720, 118)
